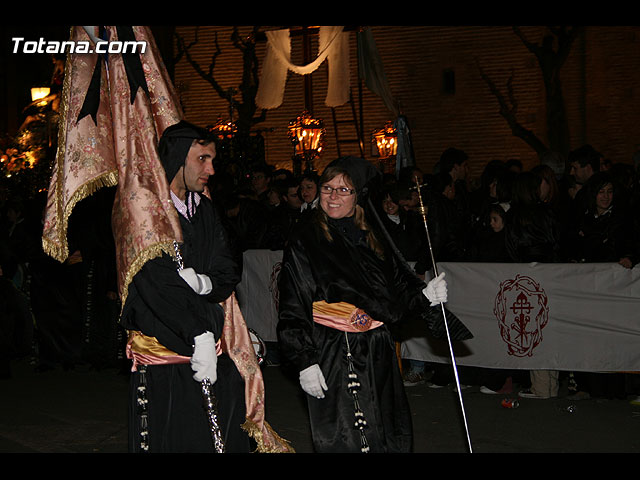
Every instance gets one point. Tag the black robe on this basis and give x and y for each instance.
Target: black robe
(161, 304)
(347, 270)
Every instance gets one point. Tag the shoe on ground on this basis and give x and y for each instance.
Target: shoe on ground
(411, 378)
(434, 385)
(529, 394)
(635, 400)
(488, 391)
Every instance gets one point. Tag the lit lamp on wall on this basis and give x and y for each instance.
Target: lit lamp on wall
(224, 130)
(306, 134)
(39, 92)
(386, 142)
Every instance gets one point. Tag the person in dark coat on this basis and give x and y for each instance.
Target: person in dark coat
(489, 245)
(179, 315)
(532, 230)
(532, 235)
(342, 288)
(606, 231)
(447, 226)
(287, 214)
(405, 227)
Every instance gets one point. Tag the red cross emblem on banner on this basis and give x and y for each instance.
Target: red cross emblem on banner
(521, 307)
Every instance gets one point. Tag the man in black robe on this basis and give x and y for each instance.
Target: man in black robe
(179, 312)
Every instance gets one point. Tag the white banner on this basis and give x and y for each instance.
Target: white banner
(578, 317)
(257, 292)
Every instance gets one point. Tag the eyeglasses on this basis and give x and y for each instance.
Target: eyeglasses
(342, 191)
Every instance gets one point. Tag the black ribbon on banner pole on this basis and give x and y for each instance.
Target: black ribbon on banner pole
(133, 70)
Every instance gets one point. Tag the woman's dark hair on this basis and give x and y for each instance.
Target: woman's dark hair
(504, 186)
(497, 208)
(391, 191)
(596, 182)
(526, 189)
(546, 173)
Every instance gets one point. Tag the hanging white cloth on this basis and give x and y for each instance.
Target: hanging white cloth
(333, 46)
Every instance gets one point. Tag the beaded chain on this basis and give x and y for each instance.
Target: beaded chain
(353, 386)
(143, 413)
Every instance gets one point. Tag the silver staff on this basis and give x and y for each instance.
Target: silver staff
(209, 399)
(423, 212)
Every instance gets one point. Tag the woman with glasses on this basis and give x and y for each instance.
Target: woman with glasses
(342, 289)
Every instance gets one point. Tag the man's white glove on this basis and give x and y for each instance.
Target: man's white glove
(200, 283)
(312, 381)
(436, 290)
(204, 360)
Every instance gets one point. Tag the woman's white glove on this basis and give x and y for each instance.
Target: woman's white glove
(199, 283)
(436, 290)
(204, 360)
(312, 381)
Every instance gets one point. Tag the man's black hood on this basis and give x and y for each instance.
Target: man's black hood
(175, 143)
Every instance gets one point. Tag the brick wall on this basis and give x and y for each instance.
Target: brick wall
(600, 79)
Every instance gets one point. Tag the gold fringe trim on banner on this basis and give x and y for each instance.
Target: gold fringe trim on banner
(149, 253)
(60, 251)
(281, 445)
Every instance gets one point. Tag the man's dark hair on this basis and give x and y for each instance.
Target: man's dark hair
(586, 155)
(267, 170)
(451, 157)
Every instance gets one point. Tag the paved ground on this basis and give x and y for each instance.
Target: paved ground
(84, 411)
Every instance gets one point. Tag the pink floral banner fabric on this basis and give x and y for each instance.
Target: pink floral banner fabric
(116, 147)
(111, 120)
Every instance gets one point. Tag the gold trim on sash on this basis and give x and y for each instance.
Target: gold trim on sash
(343, 316)
(145, 350)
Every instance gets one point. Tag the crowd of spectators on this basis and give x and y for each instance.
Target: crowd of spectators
(584, 209)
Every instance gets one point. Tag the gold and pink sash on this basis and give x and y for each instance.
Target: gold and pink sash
(235, 342)
(343, 316)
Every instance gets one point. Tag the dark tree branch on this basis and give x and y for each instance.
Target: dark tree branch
(508, 110)
(250, 77)
(551, 55)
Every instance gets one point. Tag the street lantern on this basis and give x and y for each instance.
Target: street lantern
(224, 130)
(386, 140)
(39, 92)
(306, 134)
